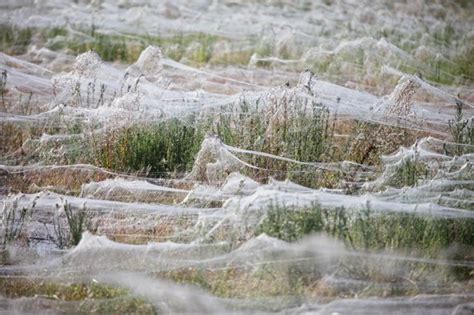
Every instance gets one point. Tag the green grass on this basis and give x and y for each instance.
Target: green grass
(369, 230)
(464, 64)
(110, 47)
(464, 3)
(17, 287)
(162, 148)
(171, 146)
(394, 234)
(462, 131)
(94, 297)
(366, 230)
(301, 132)
(408, 173)
(78, 221)
(197, 49)
(288, 225)
(127, 48)
(14, 40)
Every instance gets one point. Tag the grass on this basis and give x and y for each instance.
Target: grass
(94, 297)
(197, 47)
(163, 228)
(61, 180)
(369, 230)
(169, 148)
(285, 125)
(408, 173)
(77, 220)
(237, 282)
(17, 287)
(162, 148)
(289, 127)
(453, 71)
(281, 123)
(3, 84)
(288, 225)
(462, 131)
(14, 40)
(12, 221)
(367, 142)
(301, 275)
(109, 49)
(15, 135)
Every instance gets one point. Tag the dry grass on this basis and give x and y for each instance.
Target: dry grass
(61, 179)
(120, 227)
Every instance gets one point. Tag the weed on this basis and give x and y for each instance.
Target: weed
(78, 220)
(13, 220)
(462, 130)
(60, 237)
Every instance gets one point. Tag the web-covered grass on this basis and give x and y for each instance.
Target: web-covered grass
(189, 165)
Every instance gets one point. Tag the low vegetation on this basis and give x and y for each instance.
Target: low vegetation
(94, 297)
(13, 219)
(462, 131)
(183, 193)
(69, 232)
(14, 40)
(370, 230)
(160, 149)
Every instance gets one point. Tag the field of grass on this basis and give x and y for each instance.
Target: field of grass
(300, 157)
